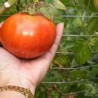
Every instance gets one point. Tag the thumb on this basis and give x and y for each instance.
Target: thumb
(52, 51)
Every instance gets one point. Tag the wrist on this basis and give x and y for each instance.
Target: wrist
(11, 94)
(16, 80)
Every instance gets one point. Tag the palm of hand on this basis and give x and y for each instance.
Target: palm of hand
(31, 70)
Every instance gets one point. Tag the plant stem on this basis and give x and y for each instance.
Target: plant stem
(3, 8)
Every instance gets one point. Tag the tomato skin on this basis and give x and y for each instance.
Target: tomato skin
(27, 36)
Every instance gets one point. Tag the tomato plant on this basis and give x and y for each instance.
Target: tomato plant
(27, 36)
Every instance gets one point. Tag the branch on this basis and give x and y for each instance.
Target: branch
(7, 5)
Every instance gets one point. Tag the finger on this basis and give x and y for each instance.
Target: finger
(53, 49)
(59, 31)
(0, 27)
(1, 24)
(44, 61)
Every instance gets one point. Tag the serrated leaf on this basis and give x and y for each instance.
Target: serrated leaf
(49, 11)
(82, 51)
(45, 11)
(59, 5)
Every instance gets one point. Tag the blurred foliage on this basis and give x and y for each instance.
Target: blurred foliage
(77, 53)
(82, 51)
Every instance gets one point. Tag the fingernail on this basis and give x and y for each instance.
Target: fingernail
(61, 25)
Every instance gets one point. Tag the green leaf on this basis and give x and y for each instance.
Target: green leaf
(61, 60)
(92, 26)
(59, 5)
(94, 43)
(50, 11)
(12, 2)
(94, 72)
(45, 11)
(82, 51)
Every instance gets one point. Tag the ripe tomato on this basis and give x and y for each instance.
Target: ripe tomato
(27, 36)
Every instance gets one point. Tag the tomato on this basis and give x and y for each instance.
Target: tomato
(27, 36)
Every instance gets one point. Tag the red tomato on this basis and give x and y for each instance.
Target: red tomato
(27, 36)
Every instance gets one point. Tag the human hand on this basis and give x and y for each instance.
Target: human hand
(27, 73)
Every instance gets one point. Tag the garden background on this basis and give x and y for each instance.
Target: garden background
(74, 70)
